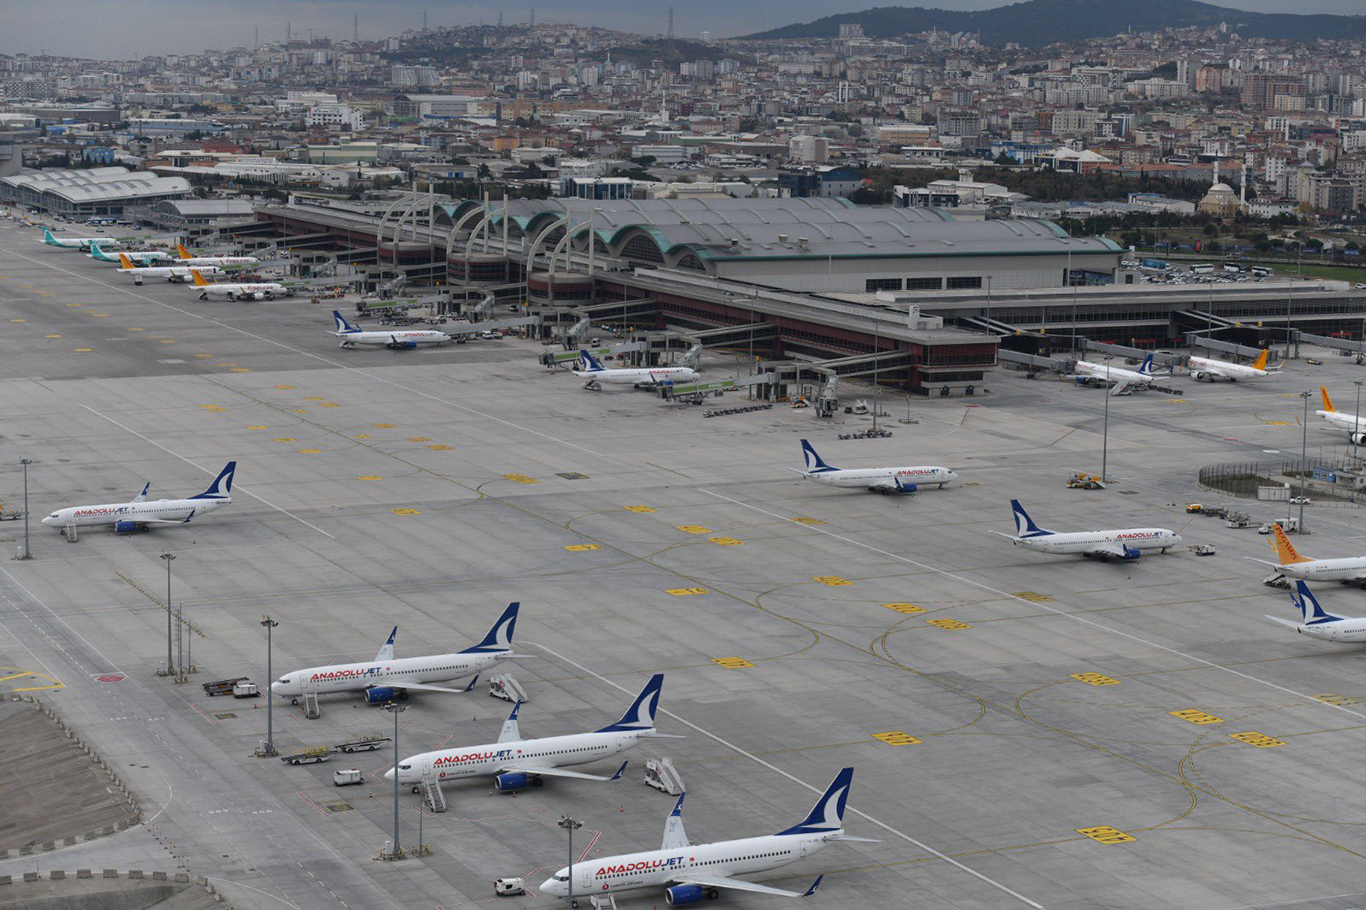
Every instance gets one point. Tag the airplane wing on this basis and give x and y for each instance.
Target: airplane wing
(422, 687)
(1119, 387)
(1265, 562)
(1117, 550)
(550, 771)
(721, 881)
(891, 485)
(160, 521)
(1284, 622)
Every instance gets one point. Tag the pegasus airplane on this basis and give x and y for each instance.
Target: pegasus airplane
(139, 514)
(1290, 563)
(405, 339)
(1318, 623)
(1087, 373)
(387, 677)
(1124, 543)
(640, 377)
(1208, 368)
(876, 480)
(1340, 420)
(690, 873)
(232, 290)
(233, 262)
(516, 763)
(140, 257)
(169, 272)
(74, 243)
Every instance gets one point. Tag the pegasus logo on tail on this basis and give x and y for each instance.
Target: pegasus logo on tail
(1285, 550)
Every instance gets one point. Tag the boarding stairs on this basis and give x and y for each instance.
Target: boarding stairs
(432, 795)
(661, 774)
(506, 687)
(312, 710)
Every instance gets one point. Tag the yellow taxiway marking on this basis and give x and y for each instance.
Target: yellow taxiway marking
(685, 592)
(382, 426)
(301, 410)
(905, 608)
(419, 439)
(284, 387)
(1033, 596)
(137, 329)
(40, 688)
(329, 404)
(226, 364)
(239, 370)
(726, 541)
(18, 320)
(948, 624)
(369, 477)
(73, 304)
(640, 509)
(405, 511)
(203, 356)
(165, 341)
(52, 336)
(694, 529)
(212, 408)
(1094, 679)
(439, 447)
(1196, 717)
(310, 451)
(1106, 834)
(285, 439)
(731, 663)
(806, 520)
(582, 547)
(84, 350)
(1260, 740)
(100, 315)
(833, 581)
(15, 676)
(314, 398)
(520, 478)
(1334, 699)
(896, 738)
(362, 435)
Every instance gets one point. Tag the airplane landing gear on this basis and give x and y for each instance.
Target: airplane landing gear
(593, 385)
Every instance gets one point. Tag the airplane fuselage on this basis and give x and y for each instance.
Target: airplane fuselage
(357, 677)
(1343, 631)
(233, 291)
(651, 376)
(1207, 368)
(169, 272)
(1347, 568)
(162, 510)
(397, 338)
(869, 478)
(195, 262)
(550, 751)
(1087, 371)
(1083, 541)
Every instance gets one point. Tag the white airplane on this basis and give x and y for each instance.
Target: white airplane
(232, 290)
(876, 480)
(222, 261)
(1289, 562)
(139, 257)
(1340, 420)
(1087, 373)
(139, 514)
(1124, 543)
(74, 243)
(386, 677)
(690, 873)
(1317, 623)
(1208, 368)
(516, 763)
(169, 272)
(397, 340)
(643, 377)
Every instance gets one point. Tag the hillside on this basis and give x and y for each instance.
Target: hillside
(1036, 23)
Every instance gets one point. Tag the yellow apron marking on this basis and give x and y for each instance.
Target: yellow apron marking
(419, 439)
(329, 404)
(1095, 679)
(1334, 699)
(382, 426)
(284, 387)
(948, 624)
(1260, 740)
(362, 435)
(18, 320)
(310, 451)
(694, 529)
(641, 509)
(137, 329)
(369, 477)
(239, 370)
(731, 663)
(520, 478)
(896, 738)
(405, 511)
(1106, 834)
(805, 520)
(285, 439)
(833, 581)
(440, 448)
(726, 541)
(685, 592)
(84, 350)
(1196, 717)
(52, 336)
(1034, 596)
(905, 608)
(257, 427)
(582, 547)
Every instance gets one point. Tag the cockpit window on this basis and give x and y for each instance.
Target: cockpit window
(561, 878)
(284, 680)
(405, 767)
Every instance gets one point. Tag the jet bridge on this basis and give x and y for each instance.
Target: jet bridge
(1328, 341)
(556, 358)
(1195, 340)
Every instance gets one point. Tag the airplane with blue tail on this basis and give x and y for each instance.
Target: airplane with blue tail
(691, 873)
(1088, 373)
(386, 677)
(1123, 543)
(595, 374)
(877, 480)
(1317, 622)
(139, 514)
(399, 340)
(516, 763)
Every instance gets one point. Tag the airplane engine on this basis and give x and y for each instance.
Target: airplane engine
(125, 527)
(378, 695)
(1199, 375)
(684, 894)
(1359, 439)
(1131, 553)
(510, 781)
(401, 345)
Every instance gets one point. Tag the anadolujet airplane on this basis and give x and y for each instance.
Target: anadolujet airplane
(1087, 373)
(387, 677)
(1318, 623)
(139, 514)
(641, 377)
(1292, 564)
(690, 873)
(1122, 543)
(876, 480)
(398, 340)
(1340, 420)
(1211, 369)
(516, 763)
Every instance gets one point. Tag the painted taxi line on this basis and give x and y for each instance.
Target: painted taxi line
(1107, 834)
(520, 478)
(833, 581)
(685, 592)
(1260, 740)
(908, 609)
(1095, 679)
(582, 547)
(19, 677)
(896, 738)
(1196, 717)
(948, 624)
(732, 663)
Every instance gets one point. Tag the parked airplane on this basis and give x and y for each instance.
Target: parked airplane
(1289, 562)
(643, 377)
(221, 261)
(1123, 543)
(876, 480)
(169, 272)
(397, 340)
(74, 243)
(386, 678)
(690, 873)
(516, 763)
(139, 514)
(1211, 369)
(1087, 373)
(1318, 623)
(1354, 425)
(232, 290)
(139, 257)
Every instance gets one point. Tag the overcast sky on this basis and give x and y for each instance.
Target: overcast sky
(132, 28)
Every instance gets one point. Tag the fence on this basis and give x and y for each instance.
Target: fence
(1333, 477)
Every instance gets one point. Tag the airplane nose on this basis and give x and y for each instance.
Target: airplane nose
(389, 775)
(551, 887)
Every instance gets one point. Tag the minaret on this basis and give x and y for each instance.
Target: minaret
(1216, 171)
(1242, 189)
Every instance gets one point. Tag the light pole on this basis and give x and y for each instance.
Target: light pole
(28, 554)
(1304, 445)
(570, 825)
(877, 351)
(1356, 424)
(269, 750)
(169, 557)
(1105, 434)
(396, 709)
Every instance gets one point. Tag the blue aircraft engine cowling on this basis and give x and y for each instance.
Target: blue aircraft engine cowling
(684, 894)
(905, 487)
(403, 345)
(1131, 552)
(125, 527)
(379, 695)
(509, 781)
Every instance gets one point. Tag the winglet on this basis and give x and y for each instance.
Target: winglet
(1327, 402)
(620, 771)
(472, 683)
(814, 885)
(1260, 362)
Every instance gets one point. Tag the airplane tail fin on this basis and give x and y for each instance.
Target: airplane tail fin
(814, 463)
(142, 497)
(499, 638)
(199, 281)
(1260, 362)
(1327, 402)
(1285, 550)
(125, 261)
(827, 816)
(343, 327)
(184, 253)
(221, 488)
(1024, 525)
(641, 714)
(48, 238)
(1146, 367)
(99, 254)
(511, 731)
(1308, 605)
(386, 650)
(591, 362)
